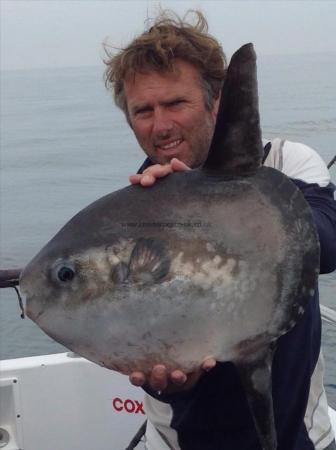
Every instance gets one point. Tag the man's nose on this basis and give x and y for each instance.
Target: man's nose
(162, 122)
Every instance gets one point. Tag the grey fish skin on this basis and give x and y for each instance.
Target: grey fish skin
(224, 255)
(218, 261)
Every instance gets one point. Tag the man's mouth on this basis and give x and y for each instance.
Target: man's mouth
(170, 145)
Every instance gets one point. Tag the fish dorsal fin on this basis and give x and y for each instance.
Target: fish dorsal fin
(236, 147)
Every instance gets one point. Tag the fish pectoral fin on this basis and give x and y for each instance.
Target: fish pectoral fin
(256, 378)
(149, 262)
(120, 273)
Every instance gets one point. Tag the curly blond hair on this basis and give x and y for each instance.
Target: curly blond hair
(167, 39)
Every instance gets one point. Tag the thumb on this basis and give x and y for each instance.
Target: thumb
(178, 166)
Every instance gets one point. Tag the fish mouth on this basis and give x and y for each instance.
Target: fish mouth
(32, 303)
(25, 282)
(33, 309)
(34, 316)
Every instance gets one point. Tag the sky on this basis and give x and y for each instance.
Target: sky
(63, 33)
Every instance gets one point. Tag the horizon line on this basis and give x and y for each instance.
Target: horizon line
(78, 66)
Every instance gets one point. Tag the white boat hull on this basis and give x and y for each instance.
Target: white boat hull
(57, 402)
(64, 402)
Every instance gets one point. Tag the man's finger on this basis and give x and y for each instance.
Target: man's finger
(147, 180)
(156, 168)
(135, 179)
(137, 378)
(178, 166)
(158, 171)
(149, 175)
(178, 377)
(158, 379)
(208, 364)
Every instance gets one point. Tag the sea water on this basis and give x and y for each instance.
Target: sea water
(64, 144)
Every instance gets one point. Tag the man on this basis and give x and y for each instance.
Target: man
(168, 83)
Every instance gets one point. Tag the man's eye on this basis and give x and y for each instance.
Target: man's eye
(176, 103)
(142, 111)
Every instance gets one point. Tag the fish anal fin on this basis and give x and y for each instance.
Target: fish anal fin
(120, 273)
(256, 377)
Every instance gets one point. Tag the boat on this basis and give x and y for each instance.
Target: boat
(65, 402)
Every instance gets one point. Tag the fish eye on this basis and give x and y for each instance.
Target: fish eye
(65, 274)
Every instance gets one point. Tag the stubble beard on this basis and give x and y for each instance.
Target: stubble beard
(200, 148)
(199, 145)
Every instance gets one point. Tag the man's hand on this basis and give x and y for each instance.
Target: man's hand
(161, 380)
(150, 175)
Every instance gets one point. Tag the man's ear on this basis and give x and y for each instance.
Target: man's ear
(215, 107)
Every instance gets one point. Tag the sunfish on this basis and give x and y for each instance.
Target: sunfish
(218, 261)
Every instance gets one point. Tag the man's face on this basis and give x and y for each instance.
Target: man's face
(168, 115)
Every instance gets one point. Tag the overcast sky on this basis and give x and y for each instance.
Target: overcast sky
(49, 33)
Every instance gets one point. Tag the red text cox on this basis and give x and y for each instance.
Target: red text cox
(128, 405)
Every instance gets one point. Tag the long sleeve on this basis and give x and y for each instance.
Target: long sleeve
(323, 205)
(309, 172)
